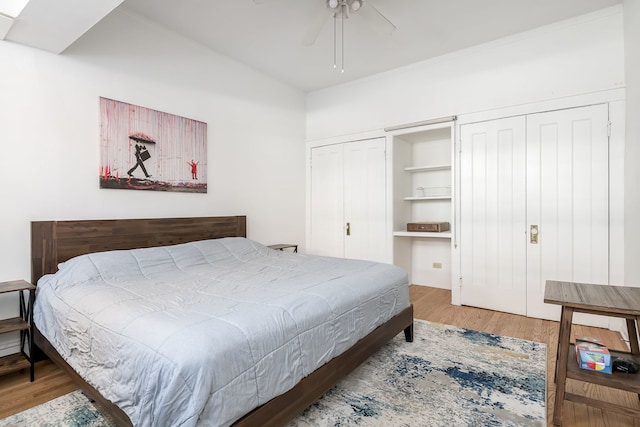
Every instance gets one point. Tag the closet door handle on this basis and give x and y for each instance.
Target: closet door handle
(533, 234)
(348, 228)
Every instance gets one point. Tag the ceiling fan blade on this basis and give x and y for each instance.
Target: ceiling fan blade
(376, 19)
(321, 16)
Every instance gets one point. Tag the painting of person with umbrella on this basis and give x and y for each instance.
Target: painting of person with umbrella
(145, 149)
(142, 153)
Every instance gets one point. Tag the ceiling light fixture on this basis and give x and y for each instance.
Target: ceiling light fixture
(341, 11)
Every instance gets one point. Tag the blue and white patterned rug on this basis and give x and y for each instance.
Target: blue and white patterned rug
(447, 376)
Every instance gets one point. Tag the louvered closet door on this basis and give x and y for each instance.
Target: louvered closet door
(492, 215)
(568, 198)
(327, 201)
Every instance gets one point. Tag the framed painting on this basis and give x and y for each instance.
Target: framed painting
(145, 149)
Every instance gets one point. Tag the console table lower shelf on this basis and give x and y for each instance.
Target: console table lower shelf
(617, 380)
(605, 300)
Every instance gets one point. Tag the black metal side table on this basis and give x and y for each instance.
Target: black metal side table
(24, 324)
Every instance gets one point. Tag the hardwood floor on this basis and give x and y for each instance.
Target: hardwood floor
(18, 394)
(435, 305)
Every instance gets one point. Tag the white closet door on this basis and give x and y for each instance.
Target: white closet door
(567, 197)
(327, 201)
(492, 215)
(365, 200)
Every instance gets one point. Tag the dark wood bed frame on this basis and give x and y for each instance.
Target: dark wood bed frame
(53, 242)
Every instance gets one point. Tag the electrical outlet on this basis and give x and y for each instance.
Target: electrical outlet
(437, 265)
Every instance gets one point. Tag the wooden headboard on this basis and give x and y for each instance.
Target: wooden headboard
(53, 242)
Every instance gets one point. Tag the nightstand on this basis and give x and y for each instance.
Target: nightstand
(24, 324)
(283, 246)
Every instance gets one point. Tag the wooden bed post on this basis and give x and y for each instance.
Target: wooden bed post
(242, 226)
(43, 249)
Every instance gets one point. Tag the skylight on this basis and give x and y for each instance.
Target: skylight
(12, 8)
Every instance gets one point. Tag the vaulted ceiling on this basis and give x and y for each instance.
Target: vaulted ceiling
(268, 35)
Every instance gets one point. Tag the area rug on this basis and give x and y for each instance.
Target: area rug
(447, 376)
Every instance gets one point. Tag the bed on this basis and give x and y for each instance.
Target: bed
(297, 384)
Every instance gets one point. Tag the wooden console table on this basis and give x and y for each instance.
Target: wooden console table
(614, 301)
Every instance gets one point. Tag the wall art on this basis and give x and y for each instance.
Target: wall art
(145, 149)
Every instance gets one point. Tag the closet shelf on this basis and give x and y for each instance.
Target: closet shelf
(442, 235)
(418, 198)
(427, 168)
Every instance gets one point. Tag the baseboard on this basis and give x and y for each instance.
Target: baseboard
(9, 346)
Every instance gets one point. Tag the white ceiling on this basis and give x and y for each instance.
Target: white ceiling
(267, 34)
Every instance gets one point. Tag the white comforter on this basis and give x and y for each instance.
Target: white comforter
(201, 333)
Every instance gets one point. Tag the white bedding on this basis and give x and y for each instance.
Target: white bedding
(203, 332)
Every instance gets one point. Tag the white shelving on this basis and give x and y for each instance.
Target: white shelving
(423, 234)
(423, 192)
(427, 168)
(419, 198)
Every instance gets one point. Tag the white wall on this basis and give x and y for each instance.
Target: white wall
(576, 56)
(49, 131)
(632, 152)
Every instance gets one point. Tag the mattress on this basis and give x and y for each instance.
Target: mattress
(202, 333)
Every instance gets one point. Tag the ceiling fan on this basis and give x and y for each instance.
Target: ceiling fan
(340, 10)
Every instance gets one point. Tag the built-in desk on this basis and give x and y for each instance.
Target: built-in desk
(614, 301)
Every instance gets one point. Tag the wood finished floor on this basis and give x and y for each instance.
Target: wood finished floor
(18, 394)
